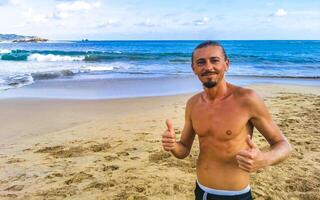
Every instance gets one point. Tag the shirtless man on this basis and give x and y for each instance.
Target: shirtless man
(224, 116)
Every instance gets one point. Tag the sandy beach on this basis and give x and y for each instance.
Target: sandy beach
(111, 149)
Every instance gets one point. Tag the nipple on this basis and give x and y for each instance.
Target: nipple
(229, 132)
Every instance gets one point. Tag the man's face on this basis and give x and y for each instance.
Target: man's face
(209, 65)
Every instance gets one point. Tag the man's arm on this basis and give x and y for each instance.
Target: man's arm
(253, 159)
(180, 149)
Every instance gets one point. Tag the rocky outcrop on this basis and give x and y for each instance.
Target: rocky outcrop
(32, 39)
(21, 38)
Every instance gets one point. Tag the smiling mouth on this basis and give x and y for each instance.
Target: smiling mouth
(209, 73)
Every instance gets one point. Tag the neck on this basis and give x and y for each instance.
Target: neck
(217, 92)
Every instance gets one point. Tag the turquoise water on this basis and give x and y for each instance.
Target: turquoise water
(23, 64)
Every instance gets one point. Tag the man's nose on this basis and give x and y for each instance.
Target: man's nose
(209, 66)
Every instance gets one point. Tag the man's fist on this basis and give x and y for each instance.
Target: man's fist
(169, 137)
(250, 159)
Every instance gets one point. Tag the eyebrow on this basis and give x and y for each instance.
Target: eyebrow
(213, 57)
(216, 57)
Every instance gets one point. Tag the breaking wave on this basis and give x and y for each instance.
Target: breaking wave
(89, 56)
(4, 51)
(53, 58)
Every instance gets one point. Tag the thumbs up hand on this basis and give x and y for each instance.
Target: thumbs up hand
(169, 137)
(251, 159)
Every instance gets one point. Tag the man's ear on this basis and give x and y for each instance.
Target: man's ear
(227, 64)
(193, 68)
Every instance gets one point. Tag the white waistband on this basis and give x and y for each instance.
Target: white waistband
(224, 192)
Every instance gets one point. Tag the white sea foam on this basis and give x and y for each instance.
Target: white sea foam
(6, 41)
(16, 81)
(95, 68)
(53, 58)
(3, 51)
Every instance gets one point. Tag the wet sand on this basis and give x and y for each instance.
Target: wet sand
(111, 149)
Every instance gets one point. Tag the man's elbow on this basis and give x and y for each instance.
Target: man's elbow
(182, 156)
(287, 148)
(284, 147)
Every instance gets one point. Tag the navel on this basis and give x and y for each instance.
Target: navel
(228, 132)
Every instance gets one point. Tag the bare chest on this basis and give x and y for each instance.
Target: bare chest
(223, 121)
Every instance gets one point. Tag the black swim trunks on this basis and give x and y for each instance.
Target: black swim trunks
(202, 195)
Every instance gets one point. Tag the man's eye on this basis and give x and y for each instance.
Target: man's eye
(214, 60)
(201, 62)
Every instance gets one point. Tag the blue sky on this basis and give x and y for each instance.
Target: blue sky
(162, 19)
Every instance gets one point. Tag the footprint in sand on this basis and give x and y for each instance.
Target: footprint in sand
(78, 178)
(139, 188)
(15, 188)
(61, 192)
(10, 196)
(20, 177)
(131, 169)
(131, 149)
(187, 165)
(15, 160)
(110, 167)
(27, 149)
(300, 185)
(52, 149)
(123, 153)
(76, 151)
(98, 185)
(76, 141)
(100, 147)
(53, 175)
(158, 156)
(110, 158)
(71, 152)
(3, 182)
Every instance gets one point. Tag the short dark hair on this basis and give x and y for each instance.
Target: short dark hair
(209, 43)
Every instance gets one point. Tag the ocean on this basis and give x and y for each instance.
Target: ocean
(25, 64)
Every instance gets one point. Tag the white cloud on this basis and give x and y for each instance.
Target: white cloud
(15, 2)
(270, 3)
(108, 23)
(202, 21)
(280, 13)
(33, 17)
(61, 15)
(77, 6)
(11, 2)
(147, 23)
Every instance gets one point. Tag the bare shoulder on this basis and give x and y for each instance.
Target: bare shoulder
(247, 97)
(251, 101)
(194, 99)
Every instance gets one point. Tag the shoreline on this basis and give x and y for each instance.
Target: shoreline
(119, 88)
(111, 148)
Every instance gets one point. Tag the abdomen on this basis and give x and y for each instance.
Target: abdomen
(217, 166)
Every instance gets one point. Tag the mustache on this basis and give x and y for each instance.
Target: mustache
(209, 73)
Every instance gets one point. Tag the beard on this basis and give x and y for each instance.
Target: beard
(209, 84)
